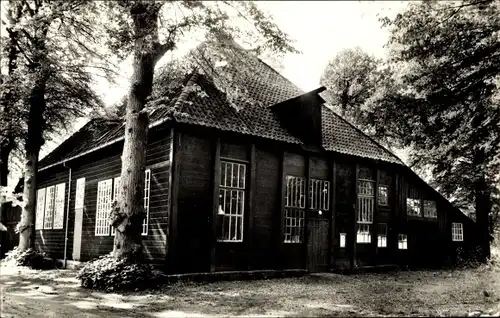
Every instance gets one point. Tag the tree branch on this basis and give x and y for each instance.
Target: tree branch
(161, 49)
(30, 61)
(27, 6)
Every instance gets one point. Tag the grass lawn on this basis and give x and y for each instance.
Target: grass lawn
(418, 293)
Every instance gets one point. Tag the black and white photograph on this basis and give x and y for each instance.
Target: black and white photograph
(192, 158)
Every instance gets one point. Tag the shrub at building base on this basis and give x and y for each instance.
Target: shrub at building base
(109, 274)
(29, 258)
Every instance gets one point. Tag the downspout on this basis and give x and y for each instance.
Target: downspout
(67, 218)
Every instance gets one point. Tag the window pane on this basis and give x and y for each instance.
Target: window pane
(293, 225)
(342, 239)
(49, 207)
(59, 206)
(40, 209)
(430, 209)
(413, 207)
(383, 195)
(104, 192)
(231, 202)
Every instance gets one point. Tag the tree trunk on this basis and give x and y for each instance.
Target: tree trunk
(8, 143)
(483, 207)
(481, 189)
(34, 142)
(128, 213)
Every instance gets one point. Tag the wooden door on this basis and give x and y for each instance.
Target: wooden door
(317, 244)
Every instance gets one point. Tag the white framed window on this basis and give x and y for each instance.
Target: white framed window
(147, 189)
(383, 195)
(104, 192)
(366, 201)
(402, 241)
(48, 219)
(364, 234)
(430, 210)
(80, 193)
(295, 203)
(59, 206)
(382, 235)
(413, 207)
(319, 195)
(457, 232)
(232, 188)
(342, 239)
(40, 209)
(294, 225)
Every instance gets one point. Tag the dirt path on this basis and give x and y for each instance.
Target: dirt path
(57, 294)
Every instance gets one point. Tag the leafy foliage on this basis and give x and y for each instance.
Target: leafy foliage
(29, 258)
(450, 52)
(58, 52)
(351, 78)
(110, 274)
(57, 47)
(437, 96)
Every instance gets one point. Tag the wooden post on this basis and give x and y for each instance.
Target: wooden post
(332, 233)
(281, 216)
(174, 190)
(306, 211)
(353, 219)
(375, 214)
(215, 203)
(392, 235)
(250, 214)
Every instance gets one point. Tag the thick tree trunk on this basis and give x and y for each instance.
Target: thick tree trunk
(8, 142)
(483, 208)
(128, 213)
(34, 142)
(481, 190)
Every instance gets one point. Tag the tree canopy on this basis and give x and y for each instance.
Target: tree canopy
(351, 79)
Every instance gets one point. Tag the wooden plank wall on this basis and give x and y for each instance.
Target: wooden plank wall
(101, 165)
(267, 208)
(343, 209)
(194, 202)
(52, 241)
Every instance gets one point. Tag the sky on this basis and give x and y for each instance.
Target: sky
(323, 28)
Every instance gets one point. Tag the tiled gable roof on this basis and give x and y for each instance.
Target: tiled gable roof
(340, 136)
(263, 86)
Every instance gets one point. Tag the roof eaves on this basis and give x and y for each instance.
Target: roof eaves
(178, 105)
(156, 123)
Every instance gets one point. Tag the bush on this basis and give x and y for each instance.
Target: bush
(29, 258)
(108, 274)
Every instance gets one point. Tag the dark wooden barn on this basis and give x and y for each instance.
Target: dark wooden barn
(278, 181)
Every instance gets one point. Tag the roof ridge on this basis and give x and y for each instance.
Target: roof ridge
(179, 103)
(282, 76)
(69, 138)
(360, 131)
